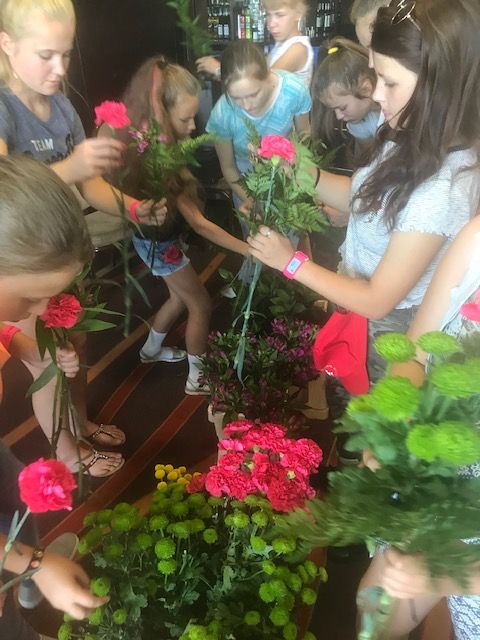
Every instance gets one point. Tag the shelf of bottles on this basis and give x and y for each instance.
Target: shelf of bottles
(245, 20)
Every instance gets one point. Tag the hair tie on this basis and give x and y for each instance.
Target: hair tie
(332, 50)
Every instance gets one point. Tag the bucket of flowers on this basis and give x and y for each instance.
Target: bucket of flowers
(202, 561)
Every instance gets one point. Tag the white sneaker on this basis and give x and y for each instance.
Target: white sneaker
(29, 595)
(166, 354)
(195, 388)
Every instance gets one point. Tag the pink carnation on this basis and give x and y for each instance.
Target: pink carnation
(275, 145)
(240, 426)
(287, 494)
(471, 310)
(236, 485)
(46, 485)
(232, 444)
(112, 113)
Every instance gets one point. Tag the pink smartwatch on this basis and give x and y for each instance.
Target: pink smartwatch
(294, 264)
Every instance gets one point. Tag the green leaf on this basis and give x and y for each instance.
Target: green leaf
(44, 378)
(93, 325)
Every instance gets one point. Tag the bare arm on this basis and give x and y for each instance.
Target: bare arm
(407, 257)
(232, 175)
(336, 193)
(302, 124)
(208, 229)
(294, 58)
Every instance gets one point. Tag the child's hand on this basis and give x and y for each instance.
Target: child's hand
(66, 586)
(150, 212)
(94, 157)
(405, 576)
(271, 248)
(369, 460)
(208, 64)
(245, 207)
(68, 360)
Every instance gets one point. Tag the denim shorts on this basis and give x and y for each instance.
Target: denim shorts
(154, 254)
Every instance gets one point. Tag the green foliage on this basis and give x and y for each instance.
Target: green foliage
(207, 582)
(422, 498)
(197, 39)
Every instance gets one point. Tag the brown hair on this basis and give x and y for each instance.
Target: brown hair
(243, 59)
(442, 48)
(43, 227)
(347, 67)
(152, 92)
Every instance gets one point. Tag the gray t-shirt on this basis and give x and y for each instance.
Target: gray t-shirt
(441, 205)
(49, 141)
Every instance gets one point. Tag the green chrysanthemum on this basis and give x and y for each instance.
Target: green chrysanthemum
(290, 631)
(421, 441)
(279, 616)
(252, 618)
(360, 404)
(89, 636)
(104, 516)
(279, 588)
(284, 545)
(251, 500)
(454, 380)
(240, 520)
(287, 602)
(122, 523)
(90, 519)
(210, 536)
(309, 636)
(165, 548)
(266, 593)
(260, 518)
(308, 596)
(167, 567)
(311, 568)
(144, 541)
(100, 586)
(213, 501)
(294, 582)
(123, 508)
(83, 547)
(282, 573)
(228, 520)
(303, 574)
(65, 631)
(196, 500)
(438, 344)
(268, 567)
(180, 530)
(205, 512)
(179, 509)
(96, 617)
(258, 544)
(94, 536)
(395, 398)
(196, 525)
(113, 551)
(158, 522)
(394, 347)
(457, 443)
(119, 616)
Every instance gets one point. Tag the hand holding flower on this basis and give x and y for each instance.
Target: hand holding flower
(405, 576)
(271, 248)
(151, 212)
(67, 360)
(94, 157)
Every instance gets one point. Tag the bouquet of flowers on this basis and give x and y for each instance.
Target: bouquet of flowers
(276, 366)
(202, 563)
(424, 497)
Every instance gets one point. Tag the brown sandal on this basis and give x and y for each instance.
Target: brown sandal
(101, 431)
(96, 456)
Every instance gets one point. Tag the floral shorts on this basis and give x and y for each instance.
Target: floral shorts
(162, 258)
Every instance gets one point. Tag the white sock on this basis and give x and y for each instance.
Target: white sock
(154, 343)
(194, 367)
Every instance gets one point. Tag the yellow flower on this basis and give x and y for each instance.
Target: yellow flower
(172, 476)
(162, 485)
(197, 473)
(181, 470)
(188, 477)
(158, 467)
(159, 474)
(168, 468)
(183, 481)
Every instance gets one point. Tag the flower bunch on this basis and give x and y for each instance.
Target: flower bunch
(275, 367)
(45, 485)
(260, 459)
(211, 565)
(424, 498)
(167, 474)
(74, 311)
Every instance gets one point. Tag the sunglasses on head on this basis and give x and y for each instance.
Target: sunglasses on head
(405, 9)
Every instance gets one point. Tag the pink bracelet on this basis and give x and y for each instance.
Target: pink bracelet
(7, 334)
(133, 211)
(294, 264)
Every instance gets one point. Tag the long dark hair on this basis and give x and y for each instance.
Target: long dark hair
(344, 63)
(439, 42)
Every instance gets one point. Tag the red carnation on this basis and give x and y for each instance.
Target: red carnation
(62, 311)
(112, 113)
(277, 146)
(46, 485)
(172, 255)
(196, 484)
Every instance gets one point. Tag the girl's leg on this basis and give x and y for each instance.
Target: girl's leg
(407, 614)
(186, 286)
(152, 350)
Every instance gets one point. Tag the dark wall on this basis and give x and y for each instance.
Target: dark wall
(113, 38)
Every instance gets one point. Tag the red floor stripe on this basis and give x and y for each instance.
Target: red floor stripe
(116, 484)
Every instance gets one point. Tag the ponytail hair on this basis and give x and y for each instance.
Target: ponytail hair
(243, 59)
(344, 66)
(43, 227)
(15, 20)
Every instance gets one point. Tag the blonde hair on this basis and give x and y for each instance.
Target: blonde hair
(362, 8)
(15, 20)
(43, 227)
(273, 5)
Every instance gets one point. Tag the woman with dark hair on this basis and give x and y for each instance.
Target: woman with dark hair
(420, 183)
